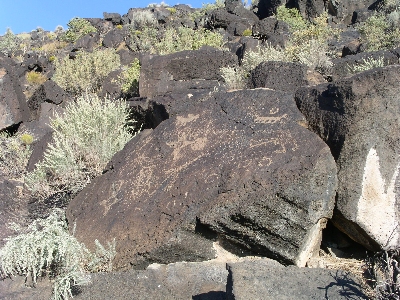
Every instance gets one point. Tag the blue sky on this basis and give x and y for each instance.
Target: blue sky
(25, 16)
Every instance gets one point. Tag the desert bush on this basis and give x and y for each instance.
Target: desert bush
(35, 78)
(142, 19)
(247, 32)
(9, 43)
(183, 38)
(78, 27)
(233, 77)
(206, 7)
(87, 71)
(367, 64)
(377, 33)
(129, 78)
(312, 53)
(91, 131)
(143, 40)
(383, 268)
(46, 247)
(292, 17)
(15, 151)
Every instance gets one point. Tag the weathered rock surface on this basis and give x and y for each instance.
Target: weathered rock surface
(283, 76)
(183, 71)
(358, 118)
(13, 107)
(49, 92)
(267, 280)
(238, 164)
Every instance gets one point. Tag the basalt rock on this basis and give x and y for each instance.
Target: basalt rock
(13, 107)
(237, 166)
(358, 118)
(183, 71)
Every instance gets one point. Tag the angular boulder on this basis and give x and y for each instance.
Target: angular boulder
(358, 117)
(283, 76)
(13, 107)
(183, 70)
(238, 165)
(265, 279)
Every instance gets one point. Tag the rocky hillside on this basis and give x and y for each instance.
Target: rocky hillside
(227, 152)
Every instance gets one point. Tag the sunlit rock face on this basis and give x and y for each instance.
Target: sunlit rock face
(358, 117)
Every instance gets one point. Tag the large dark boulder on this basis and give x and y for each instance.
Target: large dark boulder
(238, 164)
(183, 70)
(283, 76)
(87, 42)
(115, 18)
(274, 31)
(114, 38)
(49, 92)
(13, 107)
(358, 118)
(265, 279)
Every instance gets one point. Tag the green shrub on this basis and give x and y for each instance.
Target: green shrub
(35, 78)
(78, 27)
(9, 43)
(86, 72)
(207, 7)
(247, 32)
(367, 64)
(183, 38)
(172, 10)
(91, 131)
(292, 17)
(235, 78)
(46, 247)
(143, 40)
(378, 33)
(130, 78)
(14, 154)
(119, 26)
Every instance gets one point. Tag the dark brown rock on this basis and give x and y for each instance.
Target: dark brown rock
(279, 75)
(48, 92)
(238, 164)
(184, 70)
(13, 107)
(174, 281)
(113, 38)
(265, 279)
(358, 118)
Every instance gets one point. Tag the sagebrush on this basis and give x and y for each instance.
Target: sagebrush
(77, 28)
(367, 64)
(87, 71)
(9, 43)
(45, 247)
(15, 151)
(129, 78)
(85, 138)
